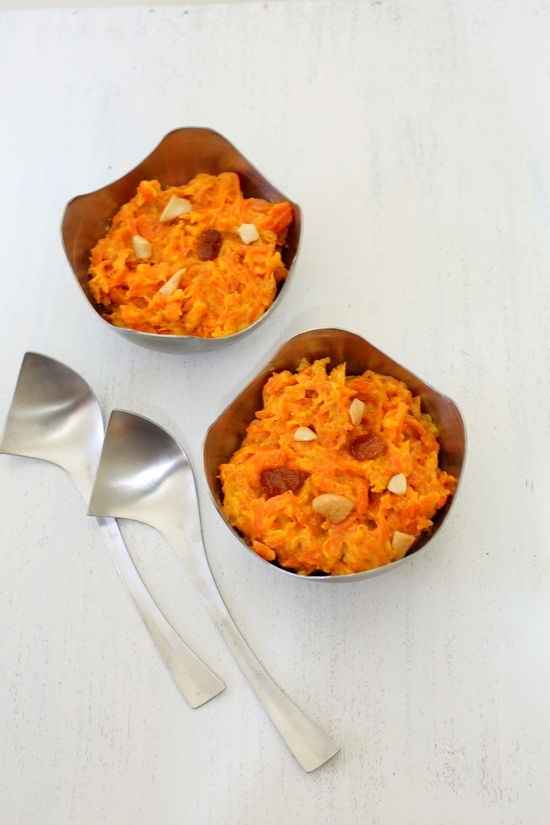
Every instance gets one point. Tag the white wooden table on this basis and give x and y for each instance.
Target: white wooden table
(416, 137)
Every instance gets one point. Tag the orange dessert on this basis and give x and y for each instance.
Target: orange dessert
(336, 474)
(198, 259)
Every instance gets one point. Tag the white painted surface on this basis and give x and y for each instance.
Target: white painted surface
(78, 4)
(416, 139)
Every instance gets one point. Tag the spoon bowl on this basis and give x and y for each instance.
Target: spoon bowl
(55, 417)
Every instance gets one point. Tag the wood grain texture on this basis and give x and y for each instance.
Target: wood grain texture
(416, 138)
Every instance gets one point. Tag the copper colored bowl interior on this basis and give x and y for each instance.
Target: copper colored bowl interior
(180, 156)
(226, 434)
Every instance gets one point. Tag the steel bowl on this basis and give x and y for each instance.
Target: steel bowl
(226, 434)
(180, 156)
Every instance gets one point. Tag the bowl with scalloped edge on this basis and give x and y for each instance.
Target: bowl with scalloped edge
(226, 434)
(179, 157)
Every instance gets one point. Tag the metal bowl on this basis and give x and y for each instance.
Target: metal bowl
(225, 436)
(180, 156)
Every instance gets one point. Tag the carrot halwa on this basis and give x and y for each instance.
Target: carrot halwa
(336, 474)
(198, 259)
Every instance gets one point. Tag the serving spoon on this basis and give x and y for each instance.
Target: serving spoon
(145, 475)
(54, 416)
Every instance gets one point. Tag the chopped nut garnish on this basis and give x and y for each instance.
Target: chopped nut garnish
(174, 208)
(172, 283)
(401, 542)
(356, 411)
(248, 233)
(333, 507)
(304, 434)
(142, 247)
(398, 484)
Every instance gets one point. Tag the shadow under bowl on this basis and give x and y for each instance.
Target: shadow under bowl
(227, 433)
(180, 156)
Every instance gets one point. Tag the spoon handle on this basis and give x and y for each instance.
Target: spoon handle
(195, 680)
(309, 744)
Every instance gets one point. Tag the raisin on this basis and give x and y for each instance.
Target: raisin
(368, 446)
(210, 242)
(281, 480)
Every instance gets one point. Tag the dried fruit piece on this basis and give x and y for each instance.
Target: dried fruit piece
(367, 447)
(401, 542)
(248, 233)
(398, 484)
(333, 507)
(304, 434)
(210, 242)
(174, 208)
(356, 411)
(142, 247)
(172, 283)
(281, 480)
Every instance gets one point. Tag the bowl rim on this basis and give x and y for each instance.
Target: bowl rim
(424, 539)
(161, 336)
